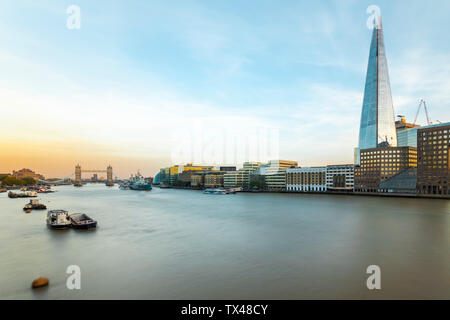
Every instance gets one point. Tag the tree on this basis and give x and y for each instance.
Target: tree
(11, 181)
(29, 181)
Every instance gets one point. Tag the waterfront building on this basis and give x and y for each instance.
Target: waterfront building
(275, 174)
(241, 178)
(380, 164)
(176, 170)
(164, 176)
(184, 178)
(433, 159)
(403, 182)
(308, 179)
(156, 180)
(377, 127)
(231, 179)
(340, 177)
(214, 179)
(197, 180)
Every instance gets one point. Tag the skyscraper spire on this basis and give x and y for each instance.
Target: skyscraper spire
(377, 126)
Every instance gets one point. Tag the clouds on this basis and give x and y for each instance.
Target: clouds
(422, 73)
(137, 71)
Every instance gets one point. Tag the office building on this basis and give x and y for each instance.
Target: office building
(433, 160)
(380, 164)
(308, 179)
(340, 177)
(214, 179)
(275, 174)
(241, 178)
(377, 126)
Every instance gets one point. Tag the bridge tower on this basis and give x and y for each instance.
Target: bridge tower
(109, 176)
(78, 182)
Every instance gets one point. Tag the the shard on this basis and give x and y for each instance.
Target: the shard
(377, 126)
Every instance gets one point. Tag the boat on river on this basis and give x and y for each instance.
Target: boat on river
(45, 190)
(82, 221)
(216, 191)
(29, 194)
(58, 219)
(137, 183)
(34, 205)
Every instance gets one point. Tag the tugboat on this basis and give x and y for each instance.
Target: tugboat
(58, 219)
(34, 205)
(82, 221)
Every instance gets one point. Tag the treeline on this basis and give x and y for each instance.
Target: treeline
(11, 181)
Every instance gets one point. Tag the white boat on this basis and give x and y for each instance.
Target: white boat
(215, 191)
(58, 219)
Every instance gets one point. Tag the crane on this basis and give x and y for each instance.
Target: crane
(426, 112)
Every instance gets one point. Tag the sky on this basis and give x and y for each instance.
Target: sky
(144, 85)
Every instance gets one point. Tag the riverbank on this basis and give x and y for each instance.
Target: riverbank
(387, 194)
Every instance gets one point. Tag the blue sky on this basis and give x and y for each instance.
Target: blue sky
(109, 90)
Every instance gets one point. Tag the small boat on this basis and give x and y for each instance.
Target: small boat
(3, 190)
(82, 221)
(215, 191)
(34, 205)
(58, 219)
(30, 194)
(45, 190)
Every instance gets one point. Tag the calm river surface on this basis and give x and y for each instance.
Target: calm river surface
(182, 244)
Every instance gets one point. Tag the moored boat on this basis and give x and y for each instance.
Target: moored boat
(45, 190)
(34, 205)
(82, 221)
(137, 183)
(215, 191)
(30, 194)
(58, 219)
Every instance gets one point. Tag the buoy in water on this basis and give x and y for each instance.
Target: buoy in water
(40, 282)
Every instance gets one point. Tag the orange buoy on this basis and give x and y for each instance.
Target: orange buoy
(40, 282)
(28, 210)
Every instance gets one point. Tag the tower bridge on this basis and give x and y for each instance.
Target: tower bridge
(109, 175)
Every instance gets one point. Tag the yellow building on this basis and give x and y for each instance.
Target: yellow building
(178, 169)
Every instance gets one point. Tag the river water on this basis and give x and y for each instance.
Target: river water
(183, 244)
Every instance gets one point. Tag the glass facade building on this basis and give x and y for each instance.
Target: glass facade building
(377, 127)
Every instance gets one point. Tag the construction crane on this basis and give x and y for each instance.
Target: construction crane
(426, 112)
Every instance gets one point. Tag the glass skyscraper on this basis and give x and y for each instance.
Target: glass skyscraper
(377, 128)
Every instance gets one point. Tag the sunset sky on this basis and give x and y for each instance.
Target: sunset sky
(139, 79)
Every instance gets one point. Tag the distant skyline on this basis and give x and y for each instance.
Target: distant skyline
(112, 91)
